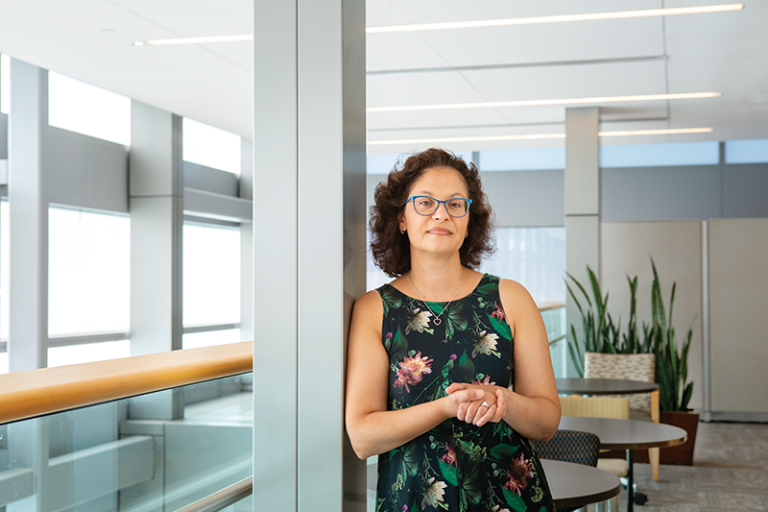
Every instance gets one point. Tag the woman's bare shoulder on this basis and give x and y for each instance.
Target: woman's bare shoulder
(368, 307)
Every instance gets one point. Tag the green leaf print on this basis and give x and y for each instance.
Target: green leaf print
(399, 345)
(471, 488)
(466, 368)
(449, 473)
(390, 298)
(410, 459)
(514, 501)
(445, 380)
(501, 327)
(455, 320)
(503, 452)
(487, 289)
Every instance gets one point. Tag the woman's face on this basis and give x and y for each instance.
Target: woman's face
(439, 232)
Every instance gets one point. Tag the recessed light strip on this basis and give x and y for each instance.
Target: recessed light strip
(564, 101)
(201, 40)
(539, 136)
(556, 19)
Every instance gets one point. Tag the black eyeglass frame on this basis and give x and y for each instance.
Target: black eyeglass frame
(439, 202)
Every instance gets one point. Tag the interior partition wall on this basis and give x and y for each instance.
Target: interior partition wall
(309, 266)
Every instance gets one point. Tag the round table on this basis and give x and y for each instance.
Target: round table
(627, 435)
(576, 386)
(576, 485)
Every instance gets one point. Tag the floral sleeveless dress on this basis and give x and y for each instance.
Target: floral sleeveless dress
(456, 466)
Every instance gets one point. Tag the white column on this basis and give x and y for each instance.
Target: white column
(309, 228)
(156, 206)
(27, 196)
(582, 207)
(246, 244)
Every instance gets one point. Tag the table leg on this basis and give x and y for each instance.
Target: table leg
(630, 481)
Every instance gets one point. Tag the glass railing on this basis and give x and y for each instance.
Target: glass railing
(183, 448)
(553, 314)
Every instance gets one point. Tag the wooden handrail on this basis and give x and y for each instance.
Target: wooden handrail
(546, 306)
(33, 393)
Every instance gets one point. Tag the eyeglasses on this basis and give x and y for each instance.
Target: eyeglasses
(425, 205)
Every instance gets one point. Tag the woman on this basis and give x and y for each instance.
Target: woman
(435, 384)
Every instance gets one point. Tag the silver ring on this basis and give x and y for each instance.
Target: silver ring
(485, 404)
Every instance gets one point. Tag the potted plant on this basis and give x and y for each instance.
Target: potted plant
(671, 374)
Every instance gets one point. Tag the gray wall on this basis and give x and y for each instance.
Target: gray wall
(536, 198)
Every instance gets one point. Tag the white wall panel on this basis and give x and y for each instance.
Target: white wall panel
(738, 284)
(676, 249)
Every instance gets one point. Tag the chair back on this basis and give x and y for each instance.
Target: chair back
(570, 446)
(595, 407)
(641, 367)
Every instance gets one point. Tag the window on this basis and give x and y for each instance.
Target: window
(89, 272)
(79, 107)
(660, 155)
(209, 146)
(211, 282)
(533, 159)
(88, 353)
(746, 151)
(535, 257)
(5, 84)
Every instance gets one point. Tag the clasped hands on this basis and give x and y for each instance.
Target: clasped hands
(469, 400)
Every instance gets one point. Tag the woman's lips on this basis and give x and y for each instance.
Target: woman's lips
(438, 231)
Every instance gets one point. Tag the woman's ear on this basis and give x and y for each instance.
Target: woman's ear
(401, 223)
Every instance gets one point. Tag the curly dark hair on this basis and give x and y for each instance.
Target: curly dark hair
(391, 249)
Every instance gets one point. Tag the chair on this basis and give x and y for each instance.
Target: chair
(640, 367)
(569, 446)
(599, 407)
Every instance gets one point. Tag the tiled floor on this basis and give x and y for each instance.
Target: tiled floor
(730, 472)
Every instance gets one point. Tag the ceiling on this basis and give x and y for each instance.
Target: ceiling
(723, 52)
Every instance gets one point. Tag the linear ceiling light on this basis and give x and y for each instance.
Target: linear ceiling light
(556, 19)
(624, 133)
(201, 40)
(565, 101)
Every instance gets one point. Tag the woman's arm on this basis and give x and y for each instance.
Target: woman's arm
(533, 408)
(371, 427)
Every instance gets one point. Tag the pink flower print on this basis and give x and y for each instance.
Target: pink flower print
(419, 322)
(498, 312)
(485, 382)
(486, 344)
(519, 472)
(434, 494)
(449, 457)
(412, 371)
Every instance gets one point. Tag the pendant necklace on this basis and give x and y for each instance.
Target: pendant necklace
(437, 320)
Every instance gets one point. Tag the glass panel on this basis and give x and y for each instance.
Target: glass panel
(529, 159)
(210, 146)
(746, 151)
(211, 275)
(534, 257)
(89, 272)
(161, 451)
(210, 339)
(658, 155)
(84, 108)
(5, 267)
(5, 84)
(89, 352)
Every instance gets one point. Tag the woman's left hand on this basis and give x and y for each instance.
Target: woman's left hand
(475, 412)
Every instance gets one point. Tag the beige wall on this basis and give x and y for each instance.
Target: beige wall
(738, 303)
(626, 249)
